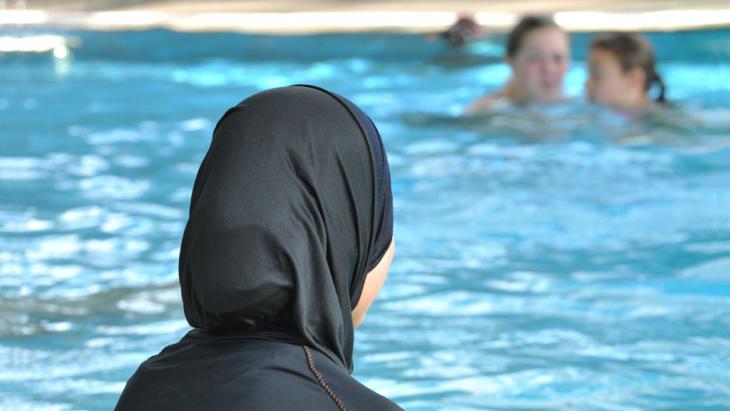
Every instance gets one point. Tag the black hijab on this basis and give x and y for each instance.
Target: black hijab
(291, 208)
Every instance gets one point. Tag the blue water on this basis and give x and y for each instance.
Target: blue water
(548, 258)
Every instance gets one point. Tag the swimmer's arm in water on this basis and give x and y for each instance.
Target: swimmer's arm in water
(483, 104)
(487, 102)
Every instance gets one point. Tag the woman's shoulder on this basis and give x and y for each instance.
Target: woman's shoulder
(487, 103)
(354, 395)
(228, 372)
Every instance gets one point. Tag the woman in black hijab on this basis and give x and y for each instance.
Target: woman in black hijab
(289, 239)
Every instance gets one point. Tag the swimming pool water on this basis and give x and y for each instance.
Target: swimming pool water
(547, 258)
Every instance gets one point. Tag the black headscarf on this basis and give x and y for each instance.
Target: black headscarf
(291, 208)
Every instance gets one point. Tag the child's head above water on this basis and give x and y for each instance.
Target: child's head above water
(538, 52)
(622, 71)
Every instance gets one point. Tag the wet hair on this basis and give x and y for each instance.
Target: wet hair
(633, 50)
(526, 25)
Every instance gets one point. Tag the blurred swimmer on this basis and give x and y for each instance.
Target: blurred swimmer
(464, 30)
(622, 72)
(538, 53)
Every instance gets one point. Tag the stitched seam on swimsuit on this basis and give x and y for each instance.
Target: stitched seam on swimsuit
(320, 379)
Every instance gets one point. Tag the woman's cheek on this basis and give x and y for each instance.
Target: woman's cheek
(605, 94)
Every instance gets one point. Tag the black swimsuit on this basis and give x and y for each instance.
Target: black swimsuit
(203, 372)
(290, 209)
